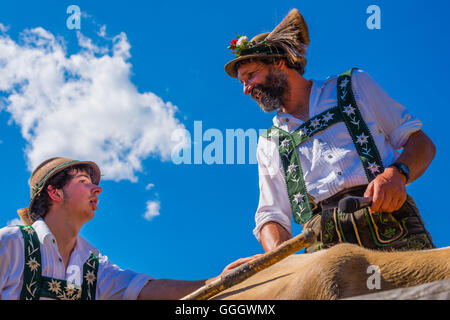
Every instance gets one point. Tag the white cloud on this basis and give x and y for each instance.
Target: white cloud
(86, 43)
(3, 28)
(152, 210)
(102, 31)
(148, 187)
(83, 106)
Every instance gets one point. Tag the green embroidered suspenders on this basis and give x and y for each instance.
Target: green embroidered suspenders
(378, 229)
(35, 285)
(346, 111)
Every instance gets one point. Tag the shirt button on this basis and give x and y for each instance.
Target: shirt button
(60, 260)
(287, 120)
(330, 156)
(339, 173)
(320, 140)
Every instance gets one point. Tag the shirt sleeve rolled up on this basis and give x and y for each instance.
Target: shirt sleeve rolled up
(117, 284)
(274, 204)
(392, 117)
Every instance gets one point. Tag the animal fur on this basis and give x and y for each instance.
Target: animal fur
(341, 272)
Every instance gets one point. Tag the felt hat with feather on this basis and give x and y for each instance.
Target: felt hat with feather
(289, 40)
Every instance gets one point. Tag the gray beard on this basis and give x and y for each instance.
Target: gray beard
(273, 91)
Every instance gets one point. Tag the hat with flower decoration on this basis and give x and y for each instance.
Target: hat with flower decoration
(43, 173)
(289, 40)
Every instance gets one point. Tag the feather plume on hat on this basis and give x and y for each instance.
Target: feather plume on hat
(289, 40)
(292, 36)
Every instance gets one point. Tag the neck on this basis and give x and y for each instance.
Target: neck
(65, 232)
(297, 104)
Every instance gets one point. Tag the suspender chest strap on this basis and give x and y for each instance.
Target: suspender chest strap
(35, 285)
(378, 230)
(347, 112)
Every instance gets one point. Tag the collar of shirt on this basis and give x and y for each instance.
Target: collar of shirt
(43, 232)
(288, 122)
(46, 238)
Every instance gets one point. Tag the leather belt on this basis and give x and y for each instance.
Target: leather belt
(332, 202)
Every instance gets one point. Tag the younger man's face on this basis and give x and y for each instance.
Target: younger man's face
(80, 195)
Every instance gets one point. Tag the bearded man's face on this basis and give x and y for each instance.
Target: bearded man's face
(266, 84)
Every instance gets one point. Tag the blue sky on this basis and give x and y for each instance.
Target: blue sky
(172, 53)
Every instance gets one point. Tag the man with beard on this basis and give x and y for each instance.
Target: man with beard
(330, 139)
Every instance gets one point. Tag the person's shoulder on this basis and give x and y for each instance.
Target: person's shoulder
(87, 246)
(268, 137)
(356, 74)
(10, 234)
(328, 81)
(361, 77)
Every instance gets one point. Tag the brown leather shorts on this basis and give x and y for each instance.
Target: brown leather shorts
(400, 230)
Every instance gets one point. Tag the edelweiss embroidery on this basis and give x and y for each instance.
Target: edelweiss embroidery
(347, 112)
(35, 285)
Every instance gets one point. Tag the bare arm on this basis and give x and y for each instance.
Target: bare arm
(272, 235)
(388, 188)
(418, 153)
(168, 289)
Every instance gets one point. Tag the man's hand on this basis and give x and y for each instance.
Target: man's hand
(233, 265)
(238, 262)
(387, 191)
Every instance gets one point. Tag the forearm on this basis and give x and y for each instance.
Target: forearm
(168, 289)
(272, 235)
(418, 152)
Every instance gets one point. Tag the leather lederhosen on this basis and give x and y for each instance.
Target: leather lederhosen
(400, 230)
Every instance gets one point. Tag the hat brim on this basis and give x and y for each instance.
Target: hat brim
(230, 67)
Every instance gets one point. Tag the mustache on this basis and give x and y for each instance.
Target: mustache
(269, 98)
(275, 86)
(270, 94)
(270, 91)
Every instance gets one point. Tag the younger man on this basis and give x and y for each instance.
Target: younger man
(48, 259)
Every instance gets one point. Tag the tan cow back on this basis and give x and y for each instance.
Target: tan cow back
(340, 272)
